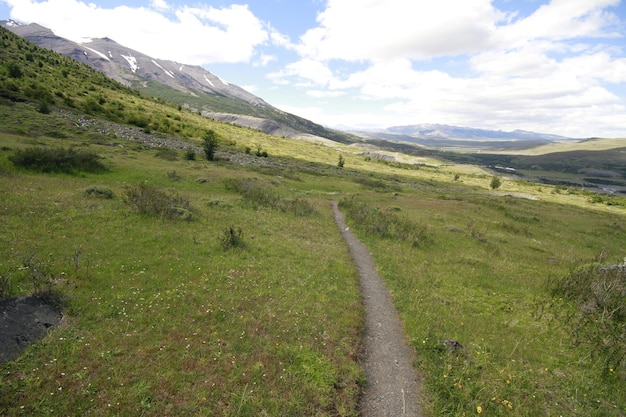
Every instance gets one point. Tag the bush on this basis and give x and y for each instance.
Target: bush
(231, 238)
(167, 153)
(599, 294)
(383, 223)
(151, 201)
(190, 154)
(209, 144)
(495, 183)
(99, 192)
(57, 160)
(258, 194)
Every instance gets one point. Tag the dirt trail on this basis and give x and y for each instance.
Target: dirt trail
(392, 383)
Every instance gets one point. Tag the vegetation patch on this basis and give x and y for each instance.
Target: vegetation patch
(231, 238)
(598, 290)
(384, 223)
(260, 195)
(63, 160)
(99, 192)
(149, 200)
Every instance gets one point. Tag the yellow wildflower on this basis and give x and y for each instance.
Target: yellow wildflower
(479, 409)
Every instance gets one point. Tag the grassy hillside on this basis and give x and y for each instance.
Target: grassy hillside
(192, 287)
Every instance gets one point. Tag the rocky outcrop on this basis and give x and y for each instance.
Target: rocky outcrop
(23, 321)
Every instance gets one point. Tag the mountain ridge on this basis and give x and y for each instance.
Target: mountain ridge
(191, 86)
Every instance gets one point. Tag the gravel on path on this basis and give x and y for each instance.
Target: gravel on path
(392, 388)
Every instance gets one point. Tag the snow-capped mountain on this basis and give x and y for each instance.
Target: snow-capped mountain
(131, 67)
(189, 85)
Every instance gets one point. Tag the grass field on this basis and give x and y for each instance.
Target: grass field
(162, 319)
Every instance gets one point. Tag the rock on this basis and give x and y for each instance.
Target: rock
(23, 321)
(453, 345)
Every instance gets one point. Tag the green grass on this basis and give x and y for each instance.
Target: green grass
(483, 282)
(161, 320)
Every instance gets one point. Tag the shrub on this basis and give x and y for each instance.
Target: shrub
(209, 144)
(43, 108)
(258, 194)
(383, 223)
(151, 201)
(599, 294)
(99, 192)
(190, 154)
(63, 160)
(495, 183)
(231, 238)
(167, 153)
(40, 274)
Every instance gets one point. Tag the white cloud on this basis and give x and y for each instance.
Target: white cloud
(563, 19)
(325, 93)
(192, 35)
(371, 30)
(546, 71)
(307, 72)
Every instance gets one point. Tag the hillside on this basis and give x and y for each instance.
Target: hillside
(198, 287)
(187, 85)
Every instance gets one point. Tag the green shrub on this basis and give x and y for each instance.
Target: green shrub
(260, 195)
(63, 160)
(167, 153)
(190, 154)
(231, 238)
(43, 280)
(384, 223)
(599, 293)
(151, 201)
(495, 182)
(209, 144)
(99, 192)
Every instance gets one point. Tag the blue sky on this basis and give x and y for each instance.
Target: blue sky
(553, 66)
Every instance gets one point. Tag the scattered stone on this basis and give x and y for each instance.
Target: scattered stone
(452, 345)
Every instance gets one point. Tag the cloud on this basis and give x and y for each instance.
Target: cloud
(373, 30)
(192, 35)
(547, 70)
(564, 19)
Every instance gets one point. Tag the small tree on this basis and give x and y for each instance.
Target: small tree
(209, 144)
(495, 182)
(341, 162)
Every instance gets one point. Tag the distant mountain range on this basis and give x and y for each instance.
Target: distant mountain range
(456, 137)
(455, 132)
(199, 89)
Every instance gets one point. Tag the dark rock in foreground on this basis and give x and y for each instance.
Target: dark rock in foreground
(23, 321)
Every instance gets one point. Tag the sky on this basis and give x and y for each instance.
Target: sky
(550, 66)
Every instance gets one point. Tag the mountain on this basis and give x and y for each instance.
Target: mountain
(188, 85)
(461, 138)
(456, 132)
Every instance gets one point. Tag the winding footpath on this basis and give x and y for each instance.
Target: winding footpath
(392, 383)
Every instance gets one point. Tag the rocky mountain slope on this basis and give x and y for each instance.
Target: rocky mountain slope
(188, 85)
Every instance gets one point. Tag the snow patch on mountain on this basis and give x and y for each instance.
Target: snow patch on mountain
(97, 52)
(132, 61)
(209, 81)
(164, 70)
(181, 68)
(223, 82)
